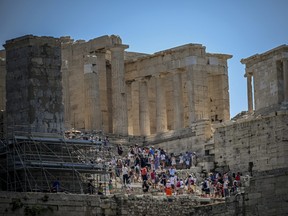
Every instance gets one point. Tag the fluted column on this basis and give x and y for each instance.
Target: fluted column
(66, 95)
(161, 112)
(285, 76)
(103, 91)
(249, 92)
(191, 95)
(129, 106)
(178, 101)
(119, 97)
(144, 118)
(91, 88)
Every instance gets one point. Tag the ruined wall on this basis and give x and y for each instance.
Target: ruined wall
(256, 144)
(267, 194)
(33, 84)
(68, 204)
(182, 140)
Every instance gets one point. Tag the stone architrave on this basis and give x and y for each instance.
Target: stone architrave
(119, 97)
(144, 119)
(161, 112)
(178, 101)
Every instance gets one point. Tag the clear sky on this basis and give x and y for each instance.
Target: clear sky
(238, 27)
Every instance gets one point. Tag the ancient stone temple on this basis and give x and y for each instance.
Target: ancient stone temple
(106, 88)
(269, 72)
(176, 99)
(33, 84)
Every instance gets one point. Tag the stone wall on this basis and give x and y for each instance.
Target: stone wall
(189, 139)
(33, 84)
(256, 144)
(265, 194)
(123, 205)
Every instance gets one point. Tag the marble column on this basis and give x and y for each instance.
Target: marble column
(285, 79)
(249, 92)
(119, 97)
(191, 95)
(103, 94)
(161, 112)
(144, 118)
(91, 88)
(66, 95)
(129, 106)
(178, 101)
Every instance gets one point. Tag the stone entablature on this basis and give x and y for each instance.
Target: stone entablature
(269, 72)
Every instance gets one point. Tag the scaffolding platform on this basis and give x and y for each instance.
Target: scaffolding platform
(33, 162)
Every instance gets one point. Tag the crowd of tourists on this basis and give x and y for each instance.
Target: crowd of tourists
(159, 171)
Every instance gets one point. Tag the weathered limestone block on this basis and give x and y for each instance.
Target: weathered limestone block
(29, 72)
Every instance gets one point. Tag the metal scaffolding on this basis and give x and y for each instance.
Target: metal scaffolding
(34, 162)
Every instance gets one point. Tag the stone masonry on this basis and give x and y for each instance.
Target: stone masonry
(253, 144)
(33, 84)
(267, 74)
(141, 94)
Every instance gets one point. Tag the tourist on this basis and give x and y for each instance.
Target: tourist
(168, 188)
(56, 185)
(156, 161)
(163, 159)
(225, 188)
(125, 174)
(144, 173)
(90, 187)
(119, 149)
(145, 186)
(110, 187)
(181, 161)
(173, 160)
(100, 189)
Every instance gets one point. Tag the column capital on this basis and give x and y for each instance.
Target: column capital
(143, 78)
(129, 82)
(248, 72)
(119, 47)
(90, 59)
